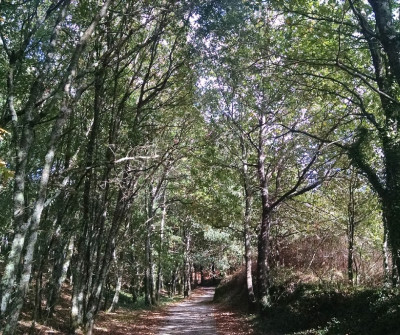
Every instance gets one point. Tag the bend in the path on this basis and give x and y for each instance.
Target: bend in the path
(193, 316)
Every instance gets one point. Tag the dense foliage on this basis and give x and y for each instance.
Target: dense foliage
(143, 143)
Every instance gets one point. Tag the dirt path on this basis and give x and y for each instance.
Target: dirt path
(194, 316)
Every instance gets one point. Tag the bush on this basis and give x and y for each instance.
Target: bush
(309, 309)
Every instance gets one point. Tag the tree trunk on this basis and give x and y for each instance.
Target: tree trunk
(350, 256)
(391, 212)
(37, 312)
(248, 261)
(148, 281)
(174, 280)
(385, 251)
(118, 286)
(100, 274)
(263, 281)
(134, 285)
(161, 247)
(59, 275)
(186, 271)
(351, 222)
(246, 227)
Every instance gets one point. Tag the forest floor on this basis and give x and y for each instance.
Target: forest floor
(194, 315)
(197, 314)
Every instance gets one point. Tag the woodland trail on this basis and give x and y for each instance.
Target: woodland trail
(192, 316)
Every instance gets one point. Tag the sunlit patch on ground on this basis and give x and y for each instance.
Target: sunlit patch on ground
(129, 322)
(126, 321)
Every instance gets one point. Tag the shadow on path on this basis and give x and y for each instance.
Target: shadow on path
(192, 316)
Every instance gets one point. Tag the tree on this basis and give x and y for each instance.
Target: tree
(136, 136)
(247, 91)
(65, 70)
(26, 224)
(348, 51)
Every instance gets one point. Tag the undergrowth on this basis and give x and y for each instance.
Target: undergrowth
(310, 309)
(126, 301)
(313, 309)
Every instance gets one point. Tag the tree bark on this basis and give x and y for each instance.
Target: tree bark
(161, 247)
(386, 254)
(186, 265)
(114, 303)
(59, 275)
(351, 222)
(263, 280)
(149, 273)
(246, 226)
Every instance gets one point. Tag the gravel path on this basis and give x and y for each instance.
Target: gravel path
(193, 316)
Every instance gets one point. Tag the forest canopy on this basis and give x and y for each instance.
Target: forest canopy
(142, 142)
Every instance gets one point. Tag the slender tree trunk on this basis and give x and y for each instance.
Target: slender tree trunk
(350, 256)
(174, 280)
(263, 281)
(161, 247)
(59, 275)
(82, 261)
(134, 283)
(351, 217)
(78, 295)
(159, 283)
(248, 261)
(179, 282)
(114, 303)
(149, 274)
(186, 274)
(386, 254)
(37, 312)
(246, 227)
(148, 285)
